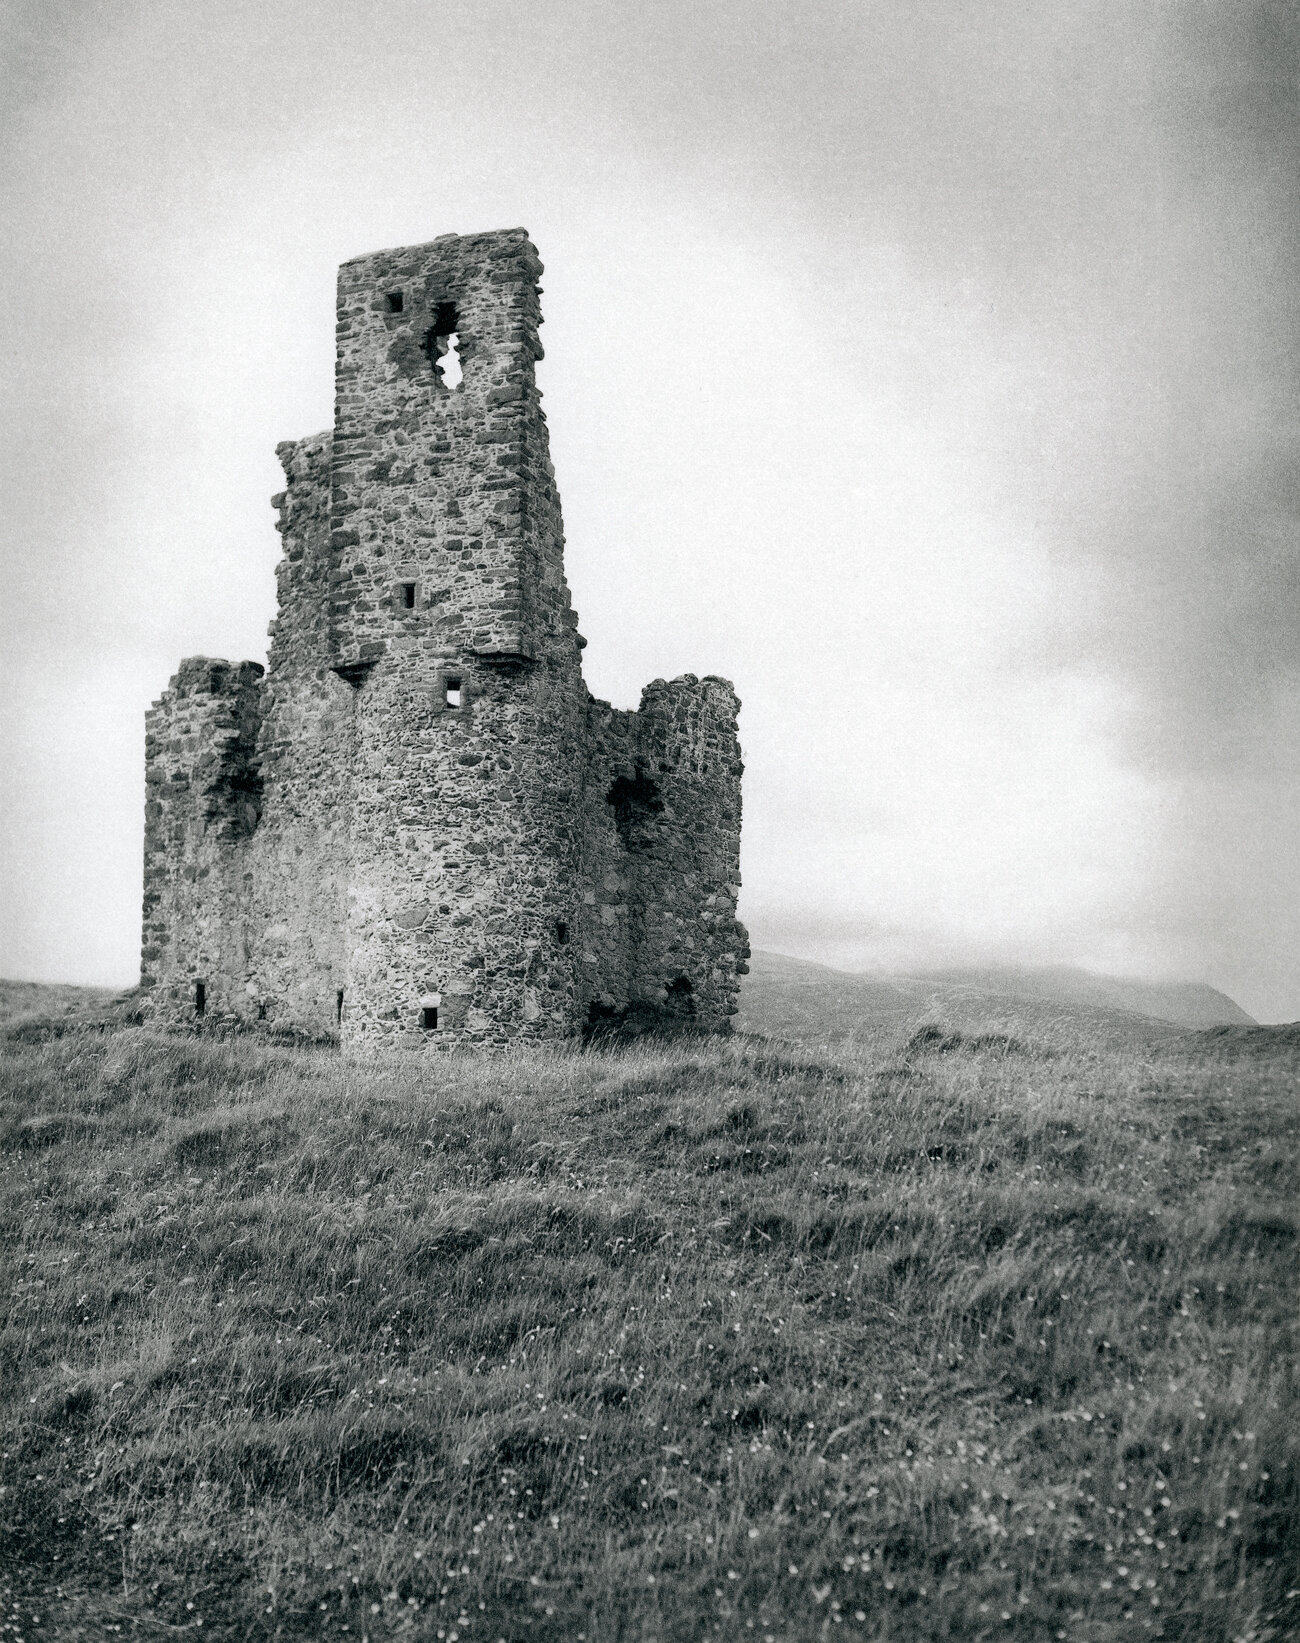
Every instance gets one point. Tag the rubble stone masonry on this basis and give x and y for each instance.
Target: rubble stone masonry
(418, 828)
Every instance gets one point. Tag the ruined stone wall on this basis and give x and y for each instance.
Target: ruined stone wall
(202, 805)
(608, 919)
(297, 965)
(456, 844)
(661, 864)
(693, 949)
(447, 488)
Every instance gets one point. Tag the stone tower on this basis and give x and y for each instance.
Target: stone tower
(418, 827)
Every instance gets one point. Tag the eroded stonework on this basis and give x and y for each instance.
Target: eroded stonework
(417, 826)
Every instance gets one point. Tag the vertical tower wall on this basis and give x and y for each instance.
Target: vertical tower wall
(693, 950)
(202, 802)
(661, 868)
(451, 617)
(609, 905)
(305, 755)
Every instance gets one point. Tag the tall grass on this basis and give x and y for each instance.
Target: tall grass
(940, 1335)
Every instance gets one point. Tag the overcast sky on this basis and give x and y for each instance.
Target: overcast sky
(928, 367)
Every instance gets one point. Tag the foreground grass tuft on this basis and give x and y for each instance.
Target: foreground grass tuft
(953, 1333)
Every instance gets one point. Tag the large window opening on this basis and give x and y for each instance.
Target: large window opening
(396, 302)
(429, 1017)
(442, 345)
(408, 595)
(200, 998)
(451, 693)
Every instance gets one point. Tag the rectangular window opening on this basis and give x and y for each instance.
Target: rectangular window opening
(452, 693)
(396, 302)
(562, 932)
(408, 595)
(429, 1017)
(200, 997)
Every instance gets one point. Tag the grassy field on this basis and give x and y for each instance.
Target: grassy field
(50, 999)
(942, 1334)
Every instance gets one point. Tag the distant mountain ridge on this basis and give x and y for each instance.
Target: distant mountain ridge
(1187, 1003)
(19, 998)
(805, 1000)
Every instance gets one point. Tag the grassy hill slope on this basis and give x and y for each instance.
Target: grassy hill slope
(49, 998)
(947, 1334)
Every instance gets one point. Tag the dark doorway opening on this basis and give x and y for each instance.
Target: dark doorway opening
(200, 997)
(562, 932)
(602, 1021)
(681, 996)
(429, 1018)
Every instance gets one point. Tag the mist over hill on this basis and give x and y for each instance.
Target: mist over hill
(1188, 1003)
(804, 1000)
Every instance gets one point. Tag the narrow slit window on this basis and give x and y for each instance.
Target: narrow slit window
(429, 1017)
(396, 302)
(338, 1005)
(452, 693)
(408, 595)
(562, 932)
(200, 997)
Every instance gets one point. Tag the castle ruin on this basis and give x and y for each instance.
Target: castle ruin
(415, 826)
